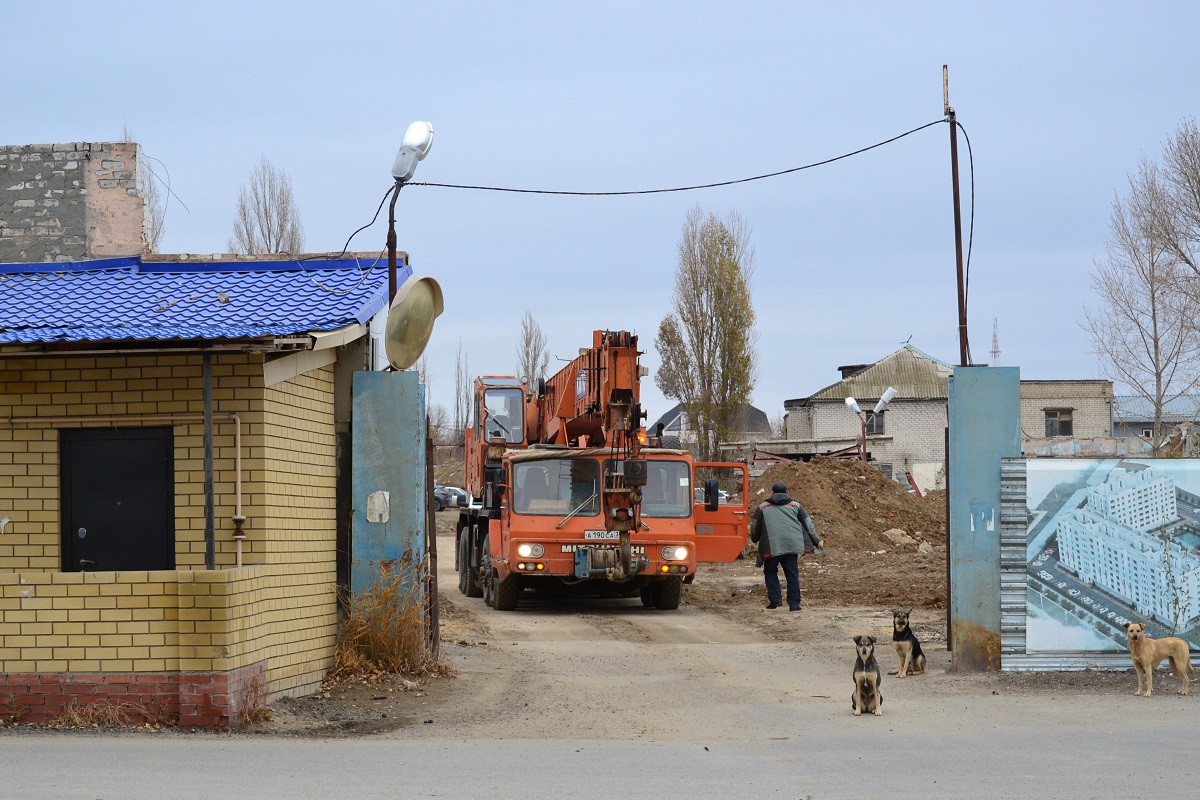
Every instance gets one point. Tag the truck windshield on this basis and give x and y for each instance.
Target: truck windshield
(504, 410)
(556, 487)
(667, 492)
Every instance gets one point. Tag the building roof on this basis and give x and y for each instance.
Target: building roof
(1136, 409)
(913, 374)
(131, 299)
(748, 420)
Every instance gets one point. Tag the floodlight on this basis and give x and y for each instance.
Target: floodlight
(883, 401)
(850, 401)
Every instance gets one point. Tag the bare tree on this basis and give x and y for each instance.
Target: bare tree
(779, 426)
(1175, 211)
(707, 344)
(532, 357)
(267, 219)
(462, 395)
(153, 199)
(1144, 328)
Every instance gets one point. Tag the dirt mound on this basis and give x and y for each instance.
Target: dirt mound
(883, 546)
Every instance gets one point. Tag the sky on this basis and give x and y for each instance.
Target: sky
(852, 260)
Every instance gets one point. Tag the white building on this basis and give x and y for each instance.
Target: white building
(1108, 543)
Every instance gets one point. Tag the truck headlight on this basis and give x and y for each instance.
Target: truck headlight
(530, 550)
(674, 553)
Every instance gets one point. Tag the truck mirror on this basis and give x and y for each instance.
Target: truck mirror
(712, 495)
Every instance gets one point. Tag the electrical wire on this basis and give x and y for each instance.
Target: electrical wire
(682, 188)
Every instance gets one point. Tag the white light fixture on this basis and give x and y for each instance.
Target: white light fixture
(413, 148)
(850, 401)
(883, 401)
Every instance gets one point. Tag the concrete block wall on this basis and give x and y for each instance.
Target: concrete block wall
(1090, 402)
(65, 202)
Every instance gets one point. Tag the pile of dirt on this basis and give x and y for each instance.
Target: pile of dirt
(449, 473)
(883, 546)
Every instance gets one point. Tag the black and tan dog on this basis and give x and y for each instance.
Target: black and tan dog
(1148, 653)
(866, 695)
(908, 649)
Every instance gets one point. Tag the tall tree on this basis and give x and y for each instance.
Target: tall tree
(1175, 210)
(532, 357)
(1144, 329)
(462, 395)
(267, 219)
(707, 343)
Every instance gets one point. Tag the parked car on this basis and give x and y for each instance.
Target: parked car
(722, 496)
(442, 498)
(461, 499)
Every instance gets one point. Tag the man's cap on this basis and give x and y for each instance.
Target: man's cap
(779, 488)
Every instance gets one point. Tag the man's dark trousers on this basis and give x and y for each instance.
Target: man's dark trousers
(791, 571)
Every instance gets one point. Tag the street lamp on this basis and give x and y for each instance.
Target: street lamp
(888, 394)
(418, 302)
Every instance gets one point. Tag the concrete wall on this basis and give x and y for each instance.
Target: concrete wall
(1090, 403)
(275, 618)
(65, 202)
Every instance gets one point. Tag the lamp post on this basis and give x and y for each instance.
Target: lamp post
(888, 394)
(415, 305)
(413, 149)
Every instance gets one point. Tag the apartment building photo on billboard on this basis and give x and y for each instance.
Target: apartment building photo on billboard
(1109, 542)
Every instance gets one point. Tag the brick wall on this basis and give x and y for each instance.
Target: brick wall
(1090, 403)
(64, 202)
(279, 611)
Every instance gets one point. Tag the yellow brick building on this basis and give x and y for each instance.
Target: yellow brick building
(116, 579)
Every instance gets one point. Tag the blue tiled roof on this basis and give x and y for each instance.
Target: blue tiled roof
(126, 299)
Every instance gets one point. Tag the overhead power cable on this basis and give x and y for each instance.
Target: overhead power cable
(682, 188)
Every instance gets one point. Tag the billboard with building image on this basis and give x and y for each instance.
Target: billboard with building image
(1111, 541)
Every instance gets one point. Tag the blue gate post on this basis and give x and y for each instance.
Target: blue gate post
(389, 497)
(984, 413)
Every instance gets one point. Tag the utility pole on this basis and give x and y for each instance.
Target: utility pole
(963, 357)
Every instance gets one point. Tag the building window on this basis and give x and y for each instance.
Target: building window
(886, 469)
(875, 424)
(1147, 433)
(1058, 422)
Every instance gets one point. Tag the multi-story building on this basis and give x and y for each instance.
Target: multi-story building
(1110, 543)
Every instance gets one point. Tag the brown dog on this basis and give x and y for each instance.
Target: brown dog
(1148, 653)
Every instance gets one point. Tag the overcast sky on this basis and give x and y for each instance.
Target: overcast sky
(1060, 100)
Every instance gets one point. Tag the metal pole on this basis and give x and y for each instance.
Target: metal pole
(391, 243)
(209, 536)
(862, 449)
(964, 359)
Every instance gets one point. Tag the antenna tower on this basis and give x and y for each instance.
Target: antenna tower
(995, 340)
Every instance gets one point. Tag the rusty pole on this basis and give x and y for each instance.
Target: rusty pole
(964, 359)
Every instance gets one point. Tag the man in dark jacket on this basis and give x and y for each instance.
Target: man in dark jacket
(782, 529)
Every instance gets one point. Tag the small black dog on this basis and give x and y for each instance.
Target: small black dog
(908, 649)
(866, 695)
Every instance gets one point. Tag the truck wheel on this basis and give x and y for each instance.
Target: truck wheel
(506, 593)
(487, 576)
(647, 592)
(668, 592)
(468, 576)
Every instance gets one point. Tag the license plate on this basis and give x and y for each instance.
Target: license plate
(603, 536)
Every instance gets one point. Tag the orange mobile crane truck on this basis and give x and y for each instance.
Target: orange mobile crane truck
(565, 491)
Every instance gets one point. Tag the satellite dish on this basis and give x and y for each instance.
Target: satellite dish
(410, 320)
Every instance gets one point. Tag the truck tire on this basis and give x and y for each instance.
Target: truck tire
(507, 592)
(487, 575)
(468, 576)
(668, 592)
(647, 592)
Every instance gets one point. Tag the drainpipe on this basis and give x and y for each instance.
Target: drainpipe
(239, 534)
(210, 545)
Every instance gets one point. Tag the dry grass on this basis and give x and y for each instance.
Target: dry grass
(385, 630)
(254, 707)
(100, 715)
